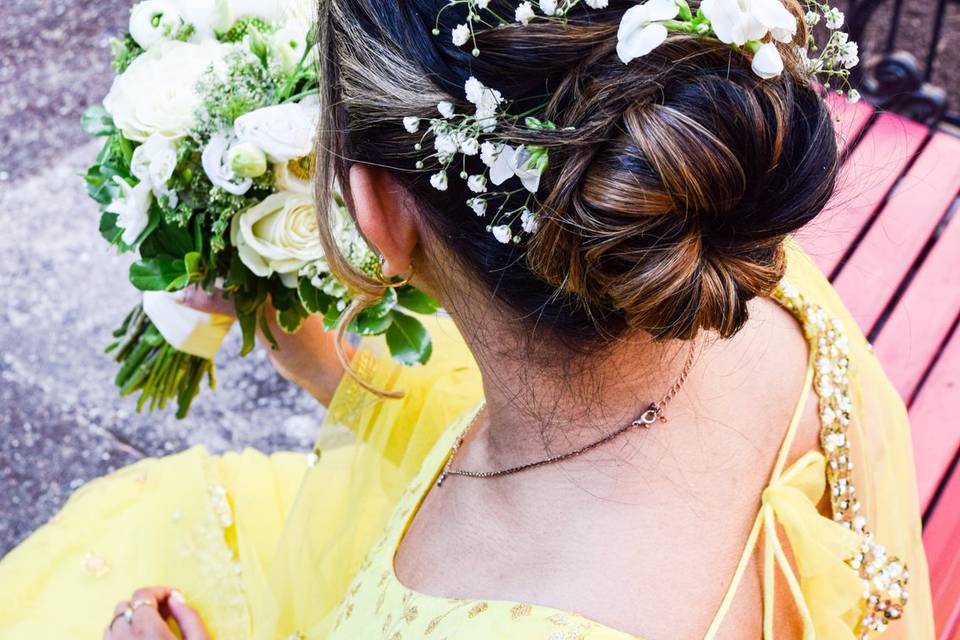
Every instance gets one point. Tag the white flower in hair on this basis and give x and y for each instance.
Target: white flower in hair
(411, 124)
(479, 205)
(439, 181)
(488, 153)
(849, 54)
(834, 18)
(502, 168)
(642, 30)
(445, 108)
(487, 101)
(767, 62)
(739, 21)
(461, 34)
(524, 13)
(529, 222)
(502, 233)
(446, 144)
(598, 4)
(522, 164)
(549, 7)
(477, 183)
(469, 146)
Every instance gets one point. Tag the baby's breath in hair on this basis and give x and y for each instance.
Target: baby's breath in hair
(758, 28)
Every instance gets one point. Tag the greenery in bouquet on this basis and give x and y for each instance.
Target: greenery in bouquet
(205, 176)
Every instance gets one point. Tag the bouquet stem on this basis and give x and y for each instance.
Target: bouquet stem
(150, 366)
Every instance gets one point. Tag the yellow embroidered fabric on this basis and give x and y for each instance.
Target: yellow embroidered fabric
(284, 547)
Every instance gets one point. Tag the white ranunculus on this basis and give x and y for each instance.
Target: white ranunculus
(132, 207)
(278, 236)
(767, 62)
(153, 22)
(246, 160)
(285, 179)
(739, 21)
(154, 162)
(157, 93)
(642, 30)
(217, 165)
(284, 131)
(288, 45)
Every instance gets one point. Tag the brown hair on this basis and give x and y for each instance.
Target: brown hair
(673, 180)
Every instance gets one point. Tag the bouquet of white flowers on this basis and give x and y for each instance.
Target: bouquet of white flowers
(205, 174)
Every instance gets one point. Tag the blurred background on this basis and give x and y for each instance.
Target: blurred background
(61, 423)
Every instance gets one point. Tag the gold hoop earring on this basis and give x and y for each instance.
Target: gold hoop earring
(392, 284)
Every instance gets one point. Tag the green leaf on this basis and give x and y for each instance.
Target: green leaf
(384, 306)
(408, 340)
(290, 320)
(417, 301)
(97, 122)
(313, 300)
(160, 273)
(265, 328)
(371, 325)
(109, 229)
(100, 187)
(248, 326)
(167, 239)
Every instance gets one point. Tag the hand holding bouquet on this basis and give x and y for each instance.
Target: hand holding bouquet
(205, 175)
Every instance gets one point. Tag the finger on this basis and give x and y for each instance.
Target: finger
(121, 607)
(153, 595)
(147, 623)
(197, 298)
(189, 621)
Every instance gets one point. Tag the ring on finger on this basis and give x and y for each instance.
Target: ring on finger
(126, 615)
(136, 604)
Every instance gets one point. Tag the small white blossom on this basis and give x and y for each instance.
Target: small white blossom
(479, 205)
(439, 181)
(834, 18)
(411, 124)
(446, 144)
(477, 183)
(502, 168)
(549, 7)
(132, 206)
(524, 13)
(446, 109)
(853, 96)
(461, 35)
(502, 233)
(469, 146)
(812, 18)
(598, 4)
(489, 153)
(849, 54)
(529, 221)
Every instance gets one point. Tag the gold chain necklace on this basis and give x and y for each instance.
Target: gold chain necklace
(653, 413)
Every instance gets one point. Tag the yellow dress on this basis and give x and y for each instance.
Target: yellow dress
(292, 546)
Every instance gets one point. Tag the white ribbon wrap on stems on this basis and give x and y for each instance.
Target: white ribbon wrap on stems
(194, 332)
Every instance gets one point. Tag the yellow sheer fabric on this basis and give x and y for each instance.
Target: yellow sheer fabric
(270, 548)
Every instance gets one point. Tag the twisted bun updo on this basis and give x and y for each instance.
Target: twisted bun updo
(673, 180)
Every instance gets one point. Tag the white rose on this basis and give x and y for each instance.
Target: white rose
(156, 94)
(132, 207)
(153, 22)
(284, 131)
(216, 164)
(154, 162)
(280, 235)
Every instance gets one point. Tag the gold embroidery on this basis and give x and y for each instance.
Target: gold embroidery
(520, 611)
(477, 609)
(884, 579)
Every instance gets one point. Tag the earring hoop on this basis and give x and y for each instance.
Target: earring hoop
(392, 284)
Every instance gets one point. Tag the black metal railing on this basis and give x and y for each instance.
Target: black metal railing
(904, 61)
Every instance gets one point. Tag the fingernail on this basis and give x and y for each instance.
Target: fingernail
(176, 596)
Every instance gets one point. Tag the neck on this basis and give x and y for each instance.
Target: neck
(544, 400)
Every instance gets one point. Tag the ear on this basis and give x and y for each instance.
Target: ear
(385, 217)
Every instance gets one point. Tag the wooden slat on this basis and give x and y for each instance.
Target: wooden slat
(935, 422)
(940, 539)
(849, 119)
(868, 175)
(884, 256)
(917, 327)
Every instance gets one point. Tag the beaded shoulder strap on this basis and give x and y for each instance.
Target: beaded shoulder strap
(884, 577)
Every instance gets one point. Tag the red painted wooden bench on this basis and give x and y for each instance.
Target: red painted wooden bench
(890, 243)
